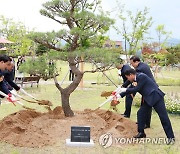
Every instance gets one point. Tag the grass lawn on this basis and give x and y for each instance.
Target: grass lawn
(89, 97)
(165, 77)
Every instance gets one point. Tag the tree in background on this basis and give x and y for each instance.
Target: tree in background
(41, 49)
(82, 20)
(40, 66)
(17, 33)
(173, 56)
(140, 24)
(162, 36)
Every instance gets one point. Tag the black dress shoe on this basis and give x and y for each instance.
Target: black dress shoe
(146, 126)
(140, 135)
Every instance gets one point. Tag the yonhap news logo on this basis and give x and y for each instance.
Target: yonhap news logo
(106, 140)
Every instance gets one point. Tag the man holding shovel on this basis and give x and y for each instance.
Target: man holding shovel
(5, 61)
(129, 98)
(153, 97)
(141, 67)
(9, 77)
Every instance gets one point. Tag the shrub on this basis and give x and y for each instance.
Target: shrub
(137, 101)
(172, 105)
(40, 66)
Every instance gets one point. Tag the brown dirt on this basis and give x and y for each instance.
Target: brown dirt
(44, 102)
(28, 128)
(106, 93)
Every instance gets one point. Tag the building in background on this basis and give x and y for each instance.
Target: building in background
(3, 45)
(113, 44)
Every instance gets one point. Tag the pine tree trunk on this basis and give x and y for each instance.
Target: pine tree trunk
(66, 92)
(65, 104)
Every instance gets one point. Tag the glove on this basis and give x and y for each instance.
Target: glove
(123, 90)
(118, 96)
(13, 92)
(11, 99)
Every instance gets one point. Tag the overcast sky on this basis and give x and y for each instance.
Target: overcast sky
(165, 12)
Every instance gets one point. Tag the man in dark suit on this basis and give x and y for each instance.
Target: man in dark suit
(9, 77)
(128, 98)
(141, 67)
(5, 62)
(153, 97)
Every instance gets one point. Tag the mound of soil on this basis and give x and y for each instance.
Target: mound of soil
(28, 128)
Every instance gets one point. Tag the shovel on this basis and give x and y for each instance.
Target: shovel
(110, 98)
(5, 95)
(40, 102)
(26, 93)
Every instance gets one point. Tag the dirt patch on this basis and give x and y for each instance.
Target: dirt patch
(28, 128)
(44, 102)
(106, 93)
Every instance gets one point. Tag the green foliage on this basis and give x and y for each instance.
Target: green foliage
(97, 41)
(137, 101)
(40, 66)
(172, 106)
(159, 58)
(81, 22)
(98, 55)
(55, 55)
(173, 57)
(140, 25)
(102, 55)
(41, 49)
(2, 52)
(162, 34)
(165, 59)
(17, 33)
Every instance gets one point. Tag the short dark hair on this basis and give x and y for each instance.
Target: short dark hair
(129, 72)
(135, 58)
(5, 58)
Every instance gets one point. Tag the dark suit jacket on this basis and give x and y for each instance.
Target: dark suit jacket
(144, 68)
(123, 70)
(141, 68)
(3, 87)
(9, 76)
(147, 88)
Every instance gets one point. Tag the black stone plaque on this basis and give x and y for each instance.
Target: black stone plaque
(80, 134)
